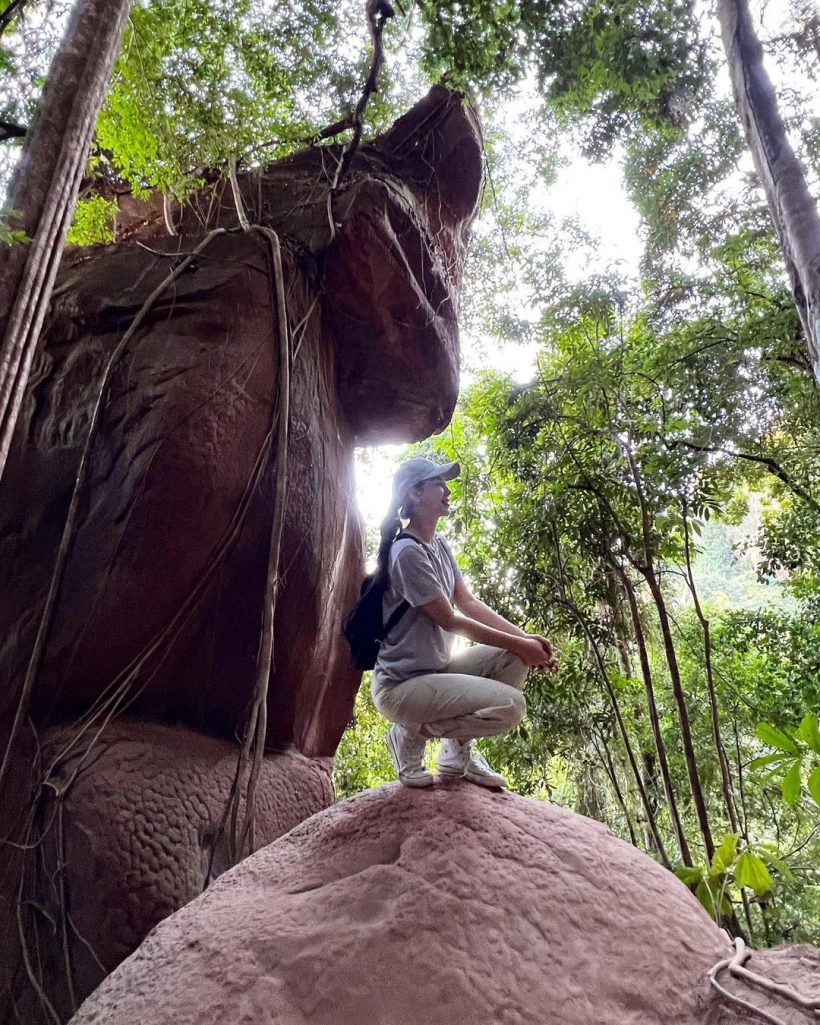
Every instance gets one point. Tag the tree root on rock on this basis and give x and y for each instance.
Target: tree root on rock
(735, 965)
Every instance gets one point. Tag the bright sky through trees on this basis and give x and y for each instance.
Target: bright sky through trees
(611, 237)
(592, 193)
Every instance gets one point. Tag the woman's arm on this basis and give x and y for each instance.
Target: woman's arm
(527, 647)
(474, 608)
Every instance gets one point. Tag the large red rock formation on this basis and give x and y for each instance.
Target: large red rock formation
(371, 275)
(159, 611)
(173, 500)
(402, 907)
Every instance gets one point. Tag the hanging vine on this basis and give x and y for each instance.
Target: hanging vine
(241, 837)
(120, 692)
(47, 615)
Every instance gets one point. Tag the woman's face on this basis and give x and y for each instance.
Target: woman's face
(431, 498)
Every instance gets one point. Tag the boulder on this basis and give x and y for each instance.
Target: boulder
(158, 611)
(144, 833)
(402, 907)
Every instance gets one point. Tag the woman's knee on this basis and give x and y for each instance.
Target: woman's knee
(514, 710)
(519, 706)
(513, 670)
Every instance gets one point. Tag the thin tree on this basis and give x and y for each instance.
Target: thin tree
(720, 750)
(44, 188)
(791, 205)
(648, 570)
(654, 718)
(565, 598)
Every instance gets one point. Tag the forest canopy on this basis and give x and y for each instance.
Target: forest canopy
(651, 497)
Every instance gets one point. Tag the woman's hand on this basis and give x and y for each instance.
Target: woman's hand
(549, 651)
(535, 651)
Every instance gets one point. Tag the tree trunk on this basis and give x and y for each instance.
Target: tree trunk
(44, 189)
(683, 713)
(579, 617)
(630, 754)
(609, 769)
(723, 761)
(647, 570)
(792, 208)
(654, 719)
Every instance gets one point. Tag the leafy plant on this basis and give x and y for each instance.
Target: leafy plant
(10, 236)
(93, 222)
(715, 885)
(796, 757)
(362, 760)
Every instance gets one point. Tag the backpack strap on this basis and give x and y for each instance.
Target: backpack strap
(400, 610)
(395, 616)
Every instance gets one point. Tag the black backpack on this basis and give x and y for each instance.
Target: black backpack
(364, 627)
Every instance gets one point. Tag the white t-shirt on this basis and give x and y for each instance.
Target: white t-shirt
(419, 573)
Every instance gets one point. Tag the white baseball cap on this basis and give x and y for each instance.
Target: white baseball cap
(414, 471)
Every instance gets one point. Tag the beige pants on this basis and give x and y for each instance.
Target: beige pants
(477, 695)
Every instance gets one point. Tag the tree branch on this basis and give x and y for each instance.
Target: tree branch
(15, 7)
(342, 125)
(378, 12)
(766, 461)
(10, 130)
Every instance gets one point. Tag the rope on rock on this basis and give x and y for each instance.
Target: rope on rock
(735, 964)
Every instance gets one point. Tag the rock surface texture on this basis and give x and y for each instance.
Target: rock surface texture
(158, 612)
(402, 907)
(141, 831)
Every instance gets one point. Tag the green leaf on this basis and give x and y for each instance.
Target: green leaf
(759, 763)
(751, 871)
(809, 732)
(725, 854)
(814, 783)
(774, 737)
(689, 876)
(791, 784)
(769, 855)
(705, 895)
(94, 220)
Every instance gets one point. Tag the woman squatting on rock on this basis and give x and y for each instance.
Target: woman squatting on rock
(423, 689)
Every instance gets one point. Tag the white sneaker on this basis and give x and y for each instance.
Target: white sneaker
(407, 751)
(457, 759)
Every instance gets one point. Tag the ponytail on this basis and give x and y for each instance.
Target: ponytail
(390, 527)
